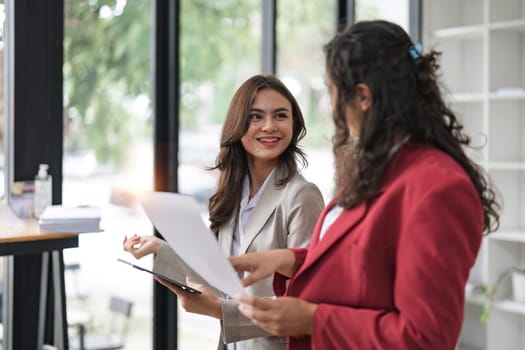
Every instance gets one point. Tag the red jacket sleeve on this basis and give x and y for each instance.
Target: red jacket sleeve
(279, 281)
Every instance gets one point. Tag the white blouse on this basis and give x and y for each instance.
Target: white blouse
(336, 210)
(245, 211)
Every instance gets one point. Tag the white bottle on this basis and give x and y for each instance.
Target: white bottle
(43, 190)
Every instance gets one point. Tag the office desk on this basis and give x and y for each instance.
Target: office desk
(34, 302)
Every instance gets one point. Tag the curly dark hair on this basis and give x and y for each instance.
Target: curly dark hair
(232, 161)
(406, 100)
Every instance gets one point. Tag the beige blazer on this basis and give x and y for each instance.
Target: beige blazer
(283, 217)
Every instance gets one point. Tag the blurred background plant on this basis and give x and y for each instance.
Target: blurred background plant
(489, 293)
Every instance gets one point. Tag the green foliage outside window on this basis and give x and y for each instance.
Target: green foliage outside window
(220, 47)
(106, 66)
(107, 55)
(303, 28)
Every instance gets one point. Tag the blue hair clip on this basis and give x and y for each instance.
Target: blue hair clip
(415, 50)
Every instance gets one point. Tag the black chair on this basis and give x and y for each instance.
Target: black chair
(113, 336)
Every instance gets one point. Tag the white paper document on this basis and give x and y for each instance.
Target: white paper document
(177, 217)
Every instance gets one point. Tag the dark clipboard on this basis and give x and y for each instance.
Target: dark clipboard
(181, 285)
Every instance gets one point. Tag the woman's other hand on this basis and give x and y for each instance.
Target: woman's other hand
(284, 316)
(263, 264)
(140, 246)
(206, 303)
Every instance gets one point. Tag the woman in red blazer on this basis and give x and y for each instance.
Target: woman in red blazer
(390, 255)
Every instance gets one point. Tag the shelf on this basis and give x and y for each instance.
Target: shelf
(510, 306)
(516, 166)
(483, 72)
(508, 236)
(463, 32)
(467, 97)
(499, 96)
(474, 299)
(516, 25)
(467, 347)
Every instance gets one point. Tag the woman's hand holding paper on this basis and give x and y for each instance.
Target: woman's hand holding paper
(282, 316)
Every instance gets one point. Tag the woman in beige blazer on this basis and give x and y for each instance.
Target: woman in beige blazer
(261, 203)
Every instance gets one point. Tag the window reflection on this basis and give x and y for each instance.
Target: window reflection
(2, 119)
(220, 48)
(302, 30)
(2, 150)
(394, 10)
(108, 154)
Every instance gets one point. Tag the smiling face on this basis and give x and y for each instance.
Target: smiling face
(270, 130)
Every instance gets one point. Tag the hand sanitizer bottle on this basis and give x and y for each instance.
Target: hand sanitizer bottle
(43, 190)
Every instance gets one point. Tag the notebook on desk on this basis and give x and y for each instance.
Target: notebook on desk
(58, 218)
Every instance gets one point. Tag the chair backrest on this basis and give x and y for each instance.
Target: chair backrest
(121, 313)
(111, 333)
(121, 306)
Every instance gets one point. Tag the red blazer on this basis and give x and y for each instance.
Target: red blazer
(392, 274)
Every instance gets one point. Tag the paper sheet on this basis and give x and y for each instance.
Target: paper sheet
(9, 220)
(177, 217)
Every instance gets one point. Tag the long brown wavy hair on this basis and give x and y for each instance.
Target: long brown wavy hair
(232, 161)
(406, 100)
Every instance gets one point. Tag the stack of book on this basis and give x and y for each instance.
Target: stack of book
(57, 218)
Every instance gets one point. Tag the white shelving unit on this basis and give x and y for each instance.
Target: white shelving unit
(483, 64)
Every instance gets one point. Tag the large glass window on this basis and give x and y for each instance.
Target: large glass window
(393, 10)
(220, 48)
(108, 156)
(2, 149)
(302, 30)
(2, 113)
